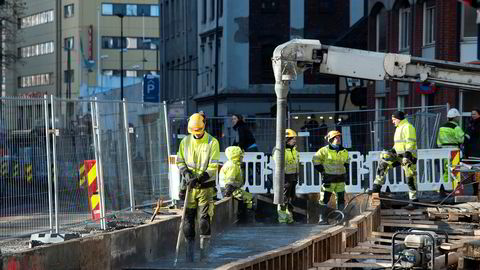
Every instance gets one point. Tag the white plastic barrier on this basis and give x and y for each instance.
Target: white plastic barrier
(429, 171)
(259, 167)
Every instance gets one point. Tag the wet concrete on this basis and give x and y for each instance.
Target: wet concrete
(237, 243)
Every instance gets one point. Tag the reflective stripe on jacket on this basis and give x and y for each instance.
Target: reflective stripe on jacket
(199, 155)
(332, 160)
(405, 138)
(450, 135)
(292, 160)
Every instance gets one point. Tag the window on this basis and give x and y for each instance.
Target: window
(429, 25)
(68, 76)
(107, 9)
(36, 49)
(401, 102)
(212, 10)
(382, 31)
(131, 10)
(36, 19)
(204, 11)
(68, 11)
(131, 43)
(108, 72)
(404, 28)
(68, 43)
(35, 80)
(469, 23)
(131, 73)
(119, 9)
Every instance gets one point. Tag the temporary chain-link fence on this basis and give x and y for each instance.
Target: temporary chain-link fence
(126, 140)
(366, 130)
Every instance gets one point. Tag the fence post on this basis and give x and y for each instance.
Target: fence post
(98, 161)
(167, 128)
(49, 162)
(129, 155)
(55, 170)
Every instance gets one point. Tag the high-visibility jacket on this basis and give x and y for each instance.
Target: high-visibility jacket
(333, 160)
(199, 156)
(405, 138)
(450, 134)
(292, 160)
(232, 171)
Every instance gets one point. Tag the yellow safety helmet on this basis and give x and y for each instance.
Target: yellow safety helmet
(332, 134)
(290, 133)
(196, 124)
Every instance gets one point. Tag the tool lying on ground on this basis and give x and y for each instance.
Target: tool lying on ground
(157, 209)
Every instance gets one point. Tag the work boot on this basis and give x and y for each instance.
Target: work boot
(204, 247)
(411, 206)
(190, 250)
(375, 189)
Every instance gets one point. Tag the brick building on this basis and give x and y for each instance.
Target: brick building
(434, 29)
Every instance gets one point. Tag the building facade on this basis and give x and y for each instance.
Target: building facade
(434, 29)
(66, 46)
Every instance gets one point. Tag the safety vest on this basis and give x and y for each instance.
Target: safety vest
(232, 174)
(450, 134)
(199, 155)
(292, 159)
(405, 138)
(333, 161)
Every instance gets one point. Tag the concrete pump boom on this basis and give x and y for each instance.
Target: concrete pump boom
(298, 55)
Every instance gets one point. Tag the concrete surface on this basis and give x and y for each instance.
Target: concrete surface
(237, 243)
(112, 250)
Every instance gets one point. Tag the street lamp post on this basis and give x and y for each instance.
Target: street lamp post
(121, 53)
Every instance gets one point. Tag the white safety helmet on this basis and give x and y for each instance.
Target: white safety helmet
(452, 113)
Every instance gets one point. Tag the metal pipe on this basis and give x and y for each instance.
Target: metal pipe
(167, 128)
(281, 88)
(55, 171)
(95, 144)
(49, 161)
(129, 155)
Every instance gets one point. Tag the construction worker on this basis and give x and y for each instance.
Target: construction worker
(197, 160)
(404, 153)
(332, 162)
(450, 135)
(292, 166)
(233, 177)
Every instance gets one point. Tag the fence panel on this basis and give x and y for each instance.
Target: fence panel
(24, 200)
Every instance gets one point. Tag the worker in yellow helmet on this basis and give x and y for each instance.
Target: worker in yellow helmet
(332, 162)
(232, 175)
(404, 153)
(197, 160)
(285, 211)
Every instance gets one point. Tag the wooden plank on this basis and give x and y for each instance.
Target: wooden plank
(369, 250)
(370, 245)
(381, 265)
(384, 240)
(402, 212)
(464, 199)
(419, 217)
(334, 261)
(361, 256)
(452, 246)
(450, 237)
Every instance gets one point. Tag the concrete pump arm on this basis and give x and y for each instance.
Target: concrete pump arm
(298, 55)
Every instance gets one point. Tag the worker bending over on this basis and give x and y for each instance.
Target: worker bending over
(404, 153)
(332, 162)
(285, 210)
(233, 178)
(450, 135)
(197, 160)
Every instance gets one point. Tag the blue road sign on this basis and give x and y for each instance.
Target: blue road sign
(151, 88)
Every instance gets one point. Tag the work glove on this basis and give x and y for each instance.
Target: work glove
(229, 189)
(193, 182)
